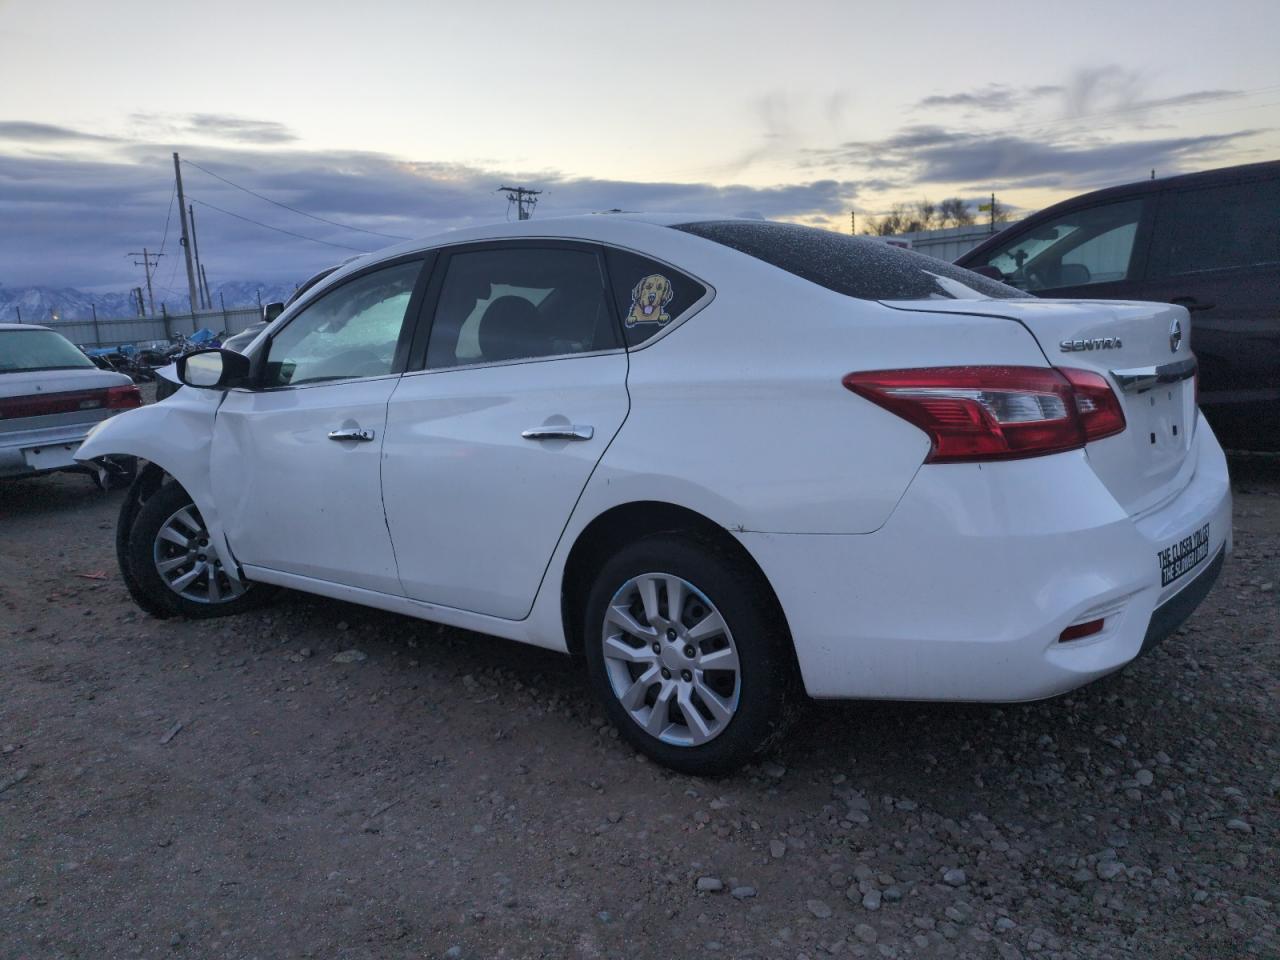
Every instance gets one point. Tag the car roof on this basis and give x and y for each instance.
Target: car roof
(22, 326)
(633, 230)
(1222, 175)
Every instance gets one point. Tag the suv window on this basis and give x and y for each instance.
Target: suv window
(1221, 228)
(855, 266)
(1090, 245)
(515, 303)
(349, 332)
(649, 295)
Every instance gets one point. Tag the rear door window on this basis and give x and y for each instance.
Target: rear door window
(1231, 227)
(854, 266)
(520, 302)
(650, 296)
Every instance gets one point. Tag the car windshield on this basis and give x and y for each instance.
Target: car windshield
(26, 350)
(854, 266)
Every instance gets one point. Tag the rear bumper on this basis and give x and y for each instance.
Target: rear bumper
(964, 592)
(40, 451)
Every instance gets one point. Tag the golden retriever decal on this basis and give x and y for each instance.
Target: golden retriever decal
(649, 299)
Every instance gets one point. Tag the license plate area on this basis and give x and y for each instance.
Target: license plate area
(1179, 559)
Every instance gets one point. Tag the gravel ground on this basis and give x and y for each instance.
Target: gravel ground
(321, 780)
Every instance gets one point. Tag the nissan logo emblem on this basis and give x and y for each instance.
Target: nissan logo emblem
(1175, 335)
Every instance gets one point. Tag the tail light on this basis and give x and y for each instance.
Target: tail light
(123, 397)
(996, 413)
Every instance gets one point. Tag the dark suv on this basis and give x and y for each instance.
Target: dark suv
(1208, 241)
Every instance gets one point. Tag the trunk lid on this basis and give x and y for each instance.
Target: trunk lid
(1144, 351)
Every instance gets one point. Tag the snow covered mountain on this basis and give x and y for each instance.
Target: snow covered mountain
(36, 304)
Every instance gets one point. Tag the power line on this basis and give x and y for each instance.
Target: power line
(172, 193)
(524, 199)
(268, 226)
(301, 213)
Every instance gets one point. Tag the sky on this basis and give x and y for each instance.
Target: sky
(401, 119)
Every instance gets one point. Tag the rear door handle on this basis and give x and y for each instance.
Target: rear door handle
(1192, 304)
(559, 432)
(351, 433)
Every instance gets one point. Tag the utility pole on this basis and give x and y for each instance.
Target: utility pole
(195, 252)
(853, 224)
(524, 199)
(186, 243)
(208, 294)
(148, 263)
(993, 213)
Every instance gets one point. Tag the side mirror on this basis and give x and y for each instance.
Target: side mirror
(213, 369)
(988, 271)
(271, 310)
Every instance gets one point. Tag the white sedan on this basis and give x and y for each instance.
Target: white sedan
(729, 462)
(51, 395)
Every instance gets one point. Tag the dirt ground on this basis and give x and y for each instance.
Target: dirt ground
(226, 789)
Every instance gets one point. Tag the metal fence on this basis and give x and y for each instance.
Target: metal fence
(114, 332)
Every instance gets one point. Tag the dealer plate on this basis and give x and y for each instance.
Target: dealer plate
(1184, 556)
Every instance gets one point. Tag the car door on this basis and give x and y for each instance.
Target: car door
(295, 460)
(520, 387)
(1217, 252)
(1093, 251)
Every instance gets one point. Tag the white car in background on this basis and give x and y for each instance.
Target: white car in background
(728, 461)
(51, 395)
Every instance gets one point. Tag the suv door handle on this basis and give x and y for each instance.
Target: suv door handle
(559, 432)
(1192, 304)
(351, 433)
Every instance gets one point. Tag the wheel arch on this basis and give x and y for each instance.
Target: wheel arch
(627, 522)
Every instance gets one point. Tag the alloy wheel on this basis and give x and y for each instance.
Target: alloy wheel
(671, 659)
(186, 563)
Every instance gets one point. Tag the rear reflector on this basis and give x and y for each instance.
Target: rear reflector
(996, 413)
(1078, 631)
(123, 397)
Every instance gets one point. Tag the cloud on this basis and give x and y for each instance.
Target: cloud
(239, 128)
(1087, 93)
(215, 126)
(933, 154)
(70, 221)
(26, 131)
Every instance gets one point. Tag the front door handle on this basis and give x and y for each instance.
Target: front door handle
(559, 432)
(351, 433)
(1192, 304)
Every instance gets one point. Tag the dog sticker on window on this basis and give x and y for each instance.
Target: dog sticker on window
(649, 299)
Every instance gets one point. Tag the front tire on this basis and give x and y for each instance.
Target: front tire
(688, 654)
(168, 567)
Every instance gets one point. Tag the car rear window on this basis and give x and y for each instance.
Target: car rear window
(854, 266)
(26, 350)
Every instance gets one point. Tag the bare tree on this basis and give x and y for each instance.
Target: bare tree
(954, 212)
(926, 213)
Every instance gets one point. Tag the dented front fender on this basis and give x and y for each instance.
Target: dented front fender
(176, 435)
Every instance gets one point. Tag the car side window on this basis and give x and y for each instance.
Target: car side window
(1219, 228)
(649, 295)
(1091, 245)
(349, 332)
(520, 302)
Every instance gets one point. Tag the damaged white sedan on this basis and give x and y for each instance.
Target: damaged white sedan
(729, 462)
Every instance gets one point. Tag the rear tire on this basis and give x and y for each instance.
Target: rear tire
(166, 564)
(702, 686)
